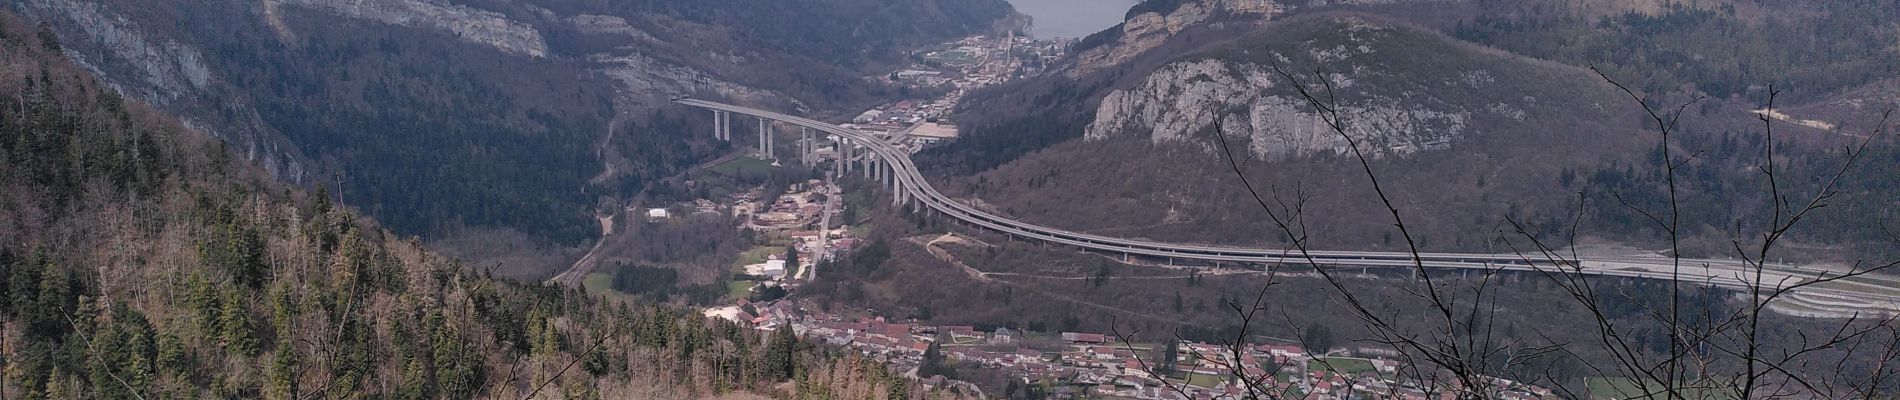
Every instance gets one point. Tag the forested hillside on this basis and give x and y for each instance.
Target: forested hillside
(442, 118)
(1809, 50)
(139, 258)
(1468, 135)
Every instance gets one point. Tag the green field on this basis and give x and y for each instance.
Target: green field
(739, 289)
(742, 165)
(601, 284)
(1625, 388)
(1341, 365)
(1205, 380)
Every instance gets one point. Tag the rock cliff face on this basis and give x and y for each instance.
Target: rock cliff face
(1178, 101)
(471, 25)
(168, 73)
(646, 77)
(1147, 30)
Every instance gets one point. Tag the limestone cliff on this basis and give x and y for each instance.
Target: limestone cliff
(471, 25)
(1178, 101)
(1147, 30)
(169, 73)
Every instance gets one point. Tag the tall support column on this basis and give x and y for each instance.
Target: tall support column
(716, 115)
(725, 127)
(761, 144)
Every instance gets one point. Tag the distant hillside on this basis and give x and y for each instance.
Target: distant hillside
(141, 259)
(1465, 127)
(1120, 141)
(447, 117)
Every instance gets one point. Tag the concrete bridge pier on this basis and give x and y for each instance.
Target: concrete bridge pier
(804, 146)
(844, 154)
(761, 144)
(722, 125)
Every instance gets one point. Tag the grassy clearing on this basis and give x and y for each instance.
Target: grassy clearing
(739, 289)
(1205, 380)
(601, 284)
(740, 166)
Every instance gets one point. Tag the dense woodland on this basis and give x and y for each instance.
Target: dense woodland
(139, 259)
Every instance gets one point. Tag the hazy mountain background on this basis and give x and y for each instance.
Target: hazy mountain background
(494, 127)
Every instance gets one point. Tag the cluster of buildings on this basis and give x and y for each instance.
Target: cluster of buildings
(960, 66)
(1093, 365)
(802, 206)
(803, 214)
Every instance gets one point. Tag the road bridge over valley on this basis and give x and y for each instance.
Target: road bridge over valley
(890, 165)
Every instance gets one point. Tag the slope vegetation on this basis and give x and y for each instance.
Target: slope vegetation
(1469, 135)
(443, 117)
(1466, 137)
(141, 259)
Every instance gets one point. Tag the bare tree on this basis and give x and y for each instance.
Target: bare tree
(1451, 350)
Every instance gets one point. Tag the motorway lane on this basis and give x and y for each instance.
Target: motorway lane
(1724, 273)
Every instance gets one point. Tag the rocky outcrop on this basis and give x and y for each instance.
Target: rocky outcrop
(166, 73)
(1145, 31)
(1181, 100)
(645, 77)
(609, 25)
(468, 24)
(167, 69)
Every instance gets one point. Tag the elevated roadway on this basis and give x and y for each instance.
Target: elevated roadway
(892, 166)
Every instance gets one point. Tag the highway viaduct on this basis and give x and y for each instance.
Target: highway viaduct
(883, 161)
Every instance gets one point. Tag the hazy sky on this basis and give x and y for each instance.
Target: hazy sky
(1072, 18)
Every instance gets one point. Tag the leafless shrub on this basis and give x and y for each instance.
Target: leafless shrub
(1713, 352)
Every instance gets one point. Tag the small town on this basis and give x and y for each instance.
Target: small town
(1096, 365)
(950, 199)
(1068, 364)
(957, 67)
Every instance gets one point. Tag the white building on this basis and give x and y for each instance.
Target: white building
(658, 213)
(774, 269)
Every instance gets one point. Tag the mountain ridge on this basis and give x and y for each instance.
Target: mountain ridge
(1470, 134)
